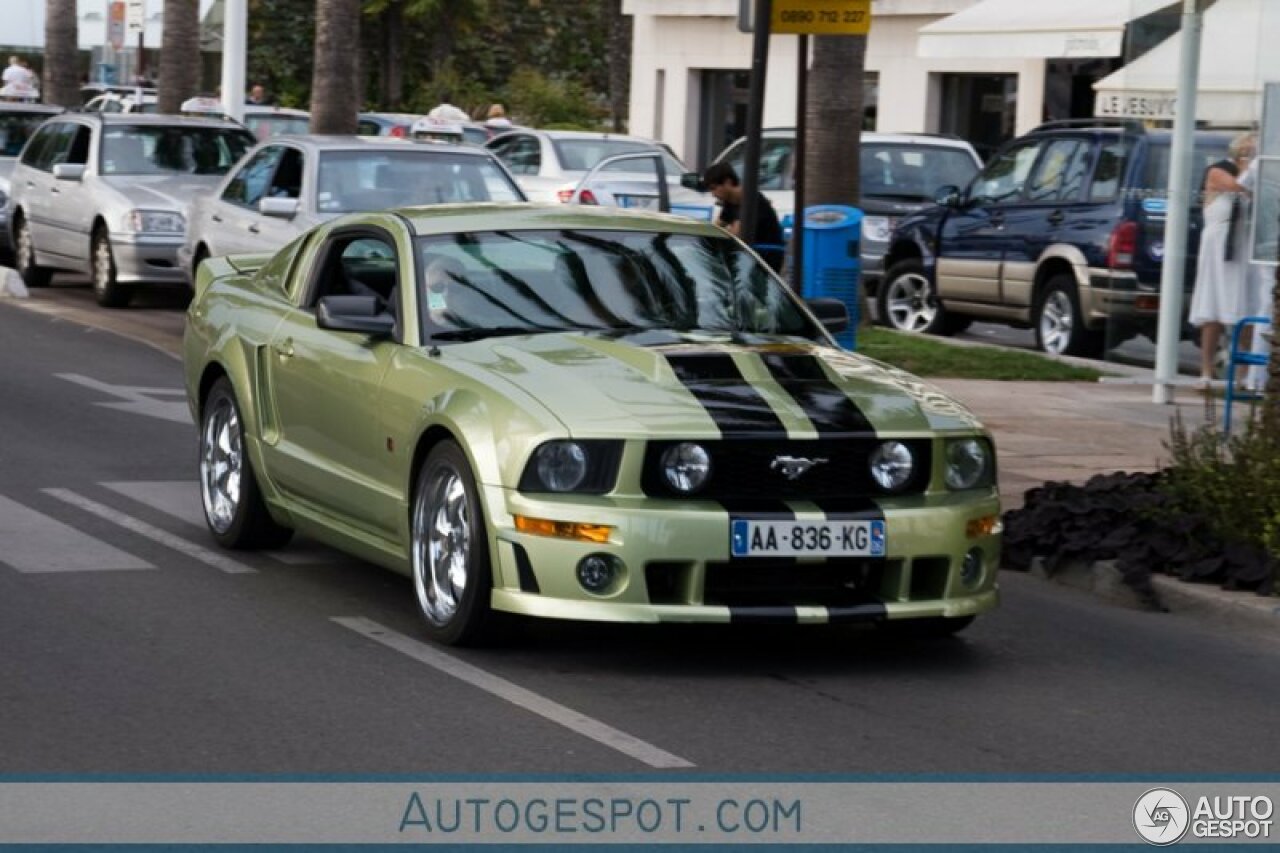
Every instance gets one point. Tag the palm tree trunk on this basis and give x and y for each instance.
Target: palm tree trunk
(392, 60)
(179, 54)
(335, 95)
(61, 54)
(833, 113)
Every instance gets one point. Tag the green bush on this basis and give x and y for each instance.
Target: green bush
(1231, 483)
(537, 100)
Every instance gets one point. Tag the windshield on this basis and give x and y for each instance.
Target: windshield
(375, 180)
(15, 129)
(161, 150)
(267, 126)
(514, 282)
(580, 155)
(913, 172)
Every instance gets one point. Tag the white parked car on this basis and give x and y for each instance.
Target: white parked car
(290, 183)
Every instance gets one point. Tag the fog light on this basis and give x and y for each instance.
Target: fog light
(597, 572)
(971, 569)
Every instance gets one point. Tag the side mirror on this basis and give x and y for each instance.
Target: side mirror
(68, 171)
(693, 181)
(947, 195)
(831, 313)
(363, 314)
(280, 208)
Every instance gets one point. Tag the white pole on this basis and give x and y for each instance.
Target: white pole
(1173, 273)
(235, 41)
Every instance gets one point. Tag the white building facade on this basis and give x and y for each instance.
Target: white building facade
(991, 73)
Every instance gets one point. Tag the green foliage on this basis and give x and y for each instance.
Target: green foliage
(282, 49)
(1231, 483)
(925, 356)
(552, 102)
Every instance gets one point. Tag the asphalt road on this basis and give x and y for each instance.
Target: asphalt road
(131, 644)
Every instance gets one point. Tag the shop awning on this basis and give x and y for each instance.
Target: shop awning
(1033, 29)
(1232, 70)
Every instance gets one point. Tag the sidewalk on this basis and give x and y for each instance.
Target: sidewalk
(1073, 430)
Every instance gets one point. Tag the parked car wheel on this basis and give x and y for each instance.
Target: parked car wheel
(233, 505)
(908, 302)
(1060, 328)
(24, 256)
(452, 576)
(109, 292)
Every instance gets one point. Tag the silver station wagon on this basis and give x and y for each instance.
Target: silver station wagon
(291, 183)
(106, 195)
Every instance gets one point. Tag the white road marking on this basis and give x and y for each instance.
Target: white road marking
(515, 694)
(155, 534)
(138, 400)
(181, 500)
(34, 542)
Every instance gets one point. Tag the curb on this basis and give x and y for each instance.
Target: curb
(1228, 608)
(11, 284)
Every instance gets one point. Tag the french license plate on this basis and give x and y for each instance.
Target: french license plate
(806, 538)
(637, 202)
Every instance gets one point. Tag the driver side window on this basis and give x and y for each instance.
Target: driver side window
(249, 185)
(360, 264)
(1004, 179)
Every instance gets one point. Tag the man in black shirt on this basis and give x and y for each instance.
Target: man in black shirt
(722, 181)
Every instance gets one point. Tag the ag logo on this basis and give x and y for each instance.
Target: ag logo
(1161, 816)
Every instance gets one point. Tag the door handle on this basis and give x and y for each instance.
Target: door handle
(1056, 217)
(54, 190)
(996, 219)
(216, 218)
(253, 229)
(284, 349)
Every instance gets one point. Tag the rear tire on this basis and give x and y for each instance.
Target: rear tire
(1060, 328)
(102, 266)
(24, 256)
(908, 301)
(233, 506)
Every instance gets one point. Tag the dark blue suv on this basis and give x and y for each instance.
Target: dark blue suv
(1063, 232)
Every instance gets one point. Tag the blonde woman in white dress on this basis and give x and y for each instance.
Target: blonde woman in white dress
(1220, 299)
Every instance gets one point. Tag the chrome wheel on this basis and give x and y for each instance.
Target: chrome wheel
(221, 464)
(1057, 321)
(26, 252)
(102, 277)
(442, 533)
(909, 304)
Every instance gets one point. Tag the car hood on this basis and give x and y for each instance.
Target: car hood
(700, 385)
(161, 192)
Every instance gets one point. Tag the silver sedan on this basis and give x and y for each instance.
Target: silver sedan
(288, 184)
(106, 194)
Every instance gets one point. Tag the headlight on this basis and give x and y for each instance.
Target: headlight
(968, 464)
(876, 229)
(154, 222)
(563, 465)
(686, 467)
(891, 465)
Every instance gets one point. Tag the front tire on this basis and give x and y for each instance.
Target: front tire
(102, 265)
(908, 301)
(24, 257)
(1060, 328)
(452, 574)
(233, 505)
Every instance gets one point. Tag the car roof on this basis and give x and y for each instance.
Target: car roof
(266, 109)
(581, 134)
(883, 137)
(338, 142)
(523, 216)
(21, 107)
(162, 119)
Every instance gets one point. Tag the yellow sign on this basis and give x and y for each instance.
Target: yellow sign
(822, 17)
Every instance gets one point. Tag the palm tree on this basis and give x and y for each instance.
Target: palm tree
(61, 54)
(179, 54)
(335, 85)
(618, 40)
(833, 116)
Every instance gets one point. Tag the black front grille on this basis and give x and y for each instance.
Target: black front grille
(744, 469)
(838, 581)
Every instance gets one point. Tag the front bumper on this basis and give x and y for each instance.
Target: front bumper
(678, 567)
(147, 258)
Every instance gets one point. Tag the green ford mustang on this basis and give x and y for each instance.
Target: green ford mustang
(581, 414)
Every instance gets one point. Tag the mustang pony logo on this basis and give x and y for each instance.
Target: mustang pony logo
(792, 467)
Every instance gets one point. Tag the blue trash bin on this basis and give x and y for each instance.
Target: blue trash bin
(833, 261)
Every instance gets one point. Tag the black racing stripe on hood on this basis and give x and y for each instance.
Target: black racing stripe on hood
(737, 408)
(831, 410)
(759, 509)
(850, 509)
(844, 614)
(779, 615)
